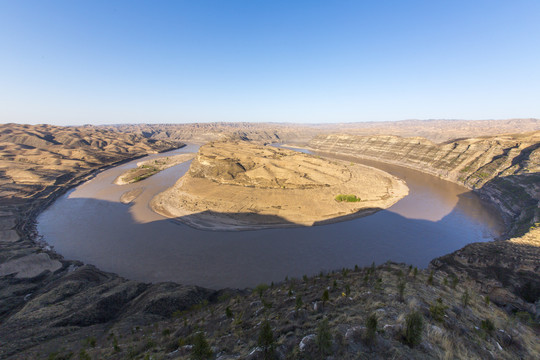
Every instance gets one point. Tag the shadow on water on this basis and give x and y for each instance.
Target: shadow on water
(210, 220)
(104, 234)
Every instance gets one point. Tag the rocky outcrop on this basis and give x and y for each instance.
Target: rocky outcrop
(506, 271)
(80, 300)
(504, 169)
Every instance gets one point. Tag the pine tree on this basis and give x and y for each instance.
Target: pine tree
(266, 341)
(324, 338)
(201, 350)
(325, 296)
(299, 302)
(414, 328)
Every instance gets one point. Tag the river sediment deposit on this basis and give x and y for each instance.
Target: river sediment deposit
(243, 186)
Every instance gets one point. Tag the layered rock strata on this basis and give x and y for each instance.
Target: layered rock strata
(504, 168)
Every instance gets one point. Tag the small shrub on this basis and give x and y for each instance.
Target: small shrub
(324, 338)
(347, 289)
(430, 278)
(115, 344)
(414, 328)
(371, 328)
(83, 355)
(266, 340)
(166, 332)
(260, 289)
(238, 319)
(267, 304)
(465, 298)
(58, 356)
(305, 278)
(415, 272)
(454, 282)
(228, 312)
(378, 284)
(299, 302)
(486, 300)
(325, 296)
(437, 310)
(347, 198)
(91, 341)
(401, 289)
(201, 350)
(487, 326)
(150, 344)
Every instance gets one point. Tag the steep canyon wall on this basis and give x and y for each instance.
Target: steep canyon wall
(504, 169)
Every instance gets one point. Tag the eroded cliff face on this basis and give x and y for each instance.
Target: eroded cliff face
(507, 271)
(504, 168)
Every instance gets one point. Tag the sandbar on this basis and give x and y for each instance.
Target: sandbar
(243, 186)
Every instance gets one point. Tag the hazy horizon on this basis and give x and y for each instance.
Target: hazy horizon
(109, 63)
(307, 124)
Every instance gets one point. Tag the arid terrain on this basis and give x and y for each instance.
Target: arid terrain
(434, 130)
(56, 308)
(239, 186)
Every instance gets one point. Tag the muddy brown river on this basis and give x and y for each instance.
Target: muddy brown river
(90, 224)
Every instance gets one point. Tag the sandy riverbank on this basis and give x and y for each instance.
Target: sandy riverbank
(242, 186)
(147, 168)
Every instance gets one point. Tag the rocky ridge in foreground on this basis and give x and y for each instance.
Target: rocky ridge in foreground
(360, 313)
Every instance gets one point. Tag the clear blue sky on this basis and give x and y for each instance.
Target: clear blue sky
(75, 62)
